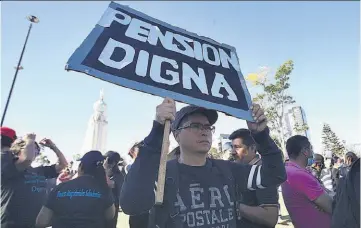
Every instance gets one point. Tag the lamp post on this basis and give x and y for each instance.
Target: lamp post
(32, 19)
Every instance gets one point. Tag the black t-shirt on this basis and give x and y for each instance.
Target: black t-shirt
(204, 198)
(343, 171)
(79, 203)
(118, 179)
(22, 192)
(267, 197)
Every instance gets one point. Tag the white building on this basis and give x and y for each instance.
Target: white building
(96, 134)
(295, 116)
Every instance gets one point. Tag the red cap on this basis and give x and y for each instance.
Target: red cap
(8, 132)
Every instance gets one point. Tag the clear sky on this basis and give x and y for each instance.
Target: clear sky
(322, 38)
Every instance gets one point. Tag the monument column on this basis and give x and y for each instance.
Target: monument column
(96, 134)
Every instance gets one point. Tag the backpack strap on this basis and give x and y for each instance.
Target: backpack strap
(172, 183)
(162, 215)
(225, 170)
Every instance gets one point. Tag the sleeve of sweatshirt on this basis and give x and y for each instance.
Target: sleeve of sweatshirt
(138, 191)
(272, 171)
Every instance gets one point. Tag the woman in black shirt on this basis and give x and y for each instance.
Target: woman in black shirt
(116, 179)
(84, 202)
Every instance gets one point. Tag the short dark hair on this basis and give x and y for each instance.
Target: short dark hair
(98, 172)
(319, 156)
(6, 141)
(296, 144)
(245, 135)
(135, 145)
(113, 157)
(351, 155)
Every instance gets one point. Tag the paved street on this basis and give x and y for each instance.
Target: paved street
(123, 221)
(283, 222)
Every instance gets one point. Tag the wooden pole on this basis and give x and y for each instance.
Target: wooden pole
(163, 164)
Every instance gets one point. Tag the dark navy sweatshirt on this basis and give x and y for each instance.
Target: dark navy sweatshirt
(204, 198)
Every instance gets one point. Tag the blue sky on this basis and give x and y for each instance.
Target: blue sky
(322, 38)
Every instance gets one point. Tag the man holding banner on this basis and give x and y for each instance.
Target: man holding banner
(133, 50)
(199, 192)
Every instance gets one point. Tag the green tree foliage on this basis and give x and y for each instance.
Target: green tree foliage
(214, 153)
(76, 156)
(331, 142)
(42, 159)
(274, 98)
(326, 129)
(299, 128)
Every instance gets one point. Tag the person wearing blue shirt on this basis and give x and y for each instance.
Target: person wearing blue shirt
(85, 201)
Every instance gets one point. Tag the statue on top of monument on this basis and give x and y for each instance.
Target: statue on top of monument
(96, 134)
(100, 105)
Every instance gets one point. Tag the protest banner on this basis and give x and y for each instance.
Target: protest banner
(134, 50)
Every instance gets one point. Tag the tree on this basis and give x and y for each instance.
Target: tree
(214, 153)
(326, 131)
(42, 159)
(274, 99)
(76, 157)
(299, 128)
(331, 142)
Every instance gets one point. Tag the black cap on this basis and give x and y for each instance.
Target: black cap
(211, 115)
(113, 157)
(92, 157)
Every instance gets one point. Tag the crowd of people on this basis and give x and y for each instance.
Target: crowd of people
(237, 192)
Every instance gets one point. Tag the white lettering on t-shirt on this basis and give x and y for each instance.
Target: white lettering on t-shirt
(218, 212)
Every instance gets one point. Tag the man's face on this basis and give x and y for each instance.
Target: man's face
(348, 161)
(135, 152)
(241, 152)
(195, 134)
(308, 151)
(317, 163)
